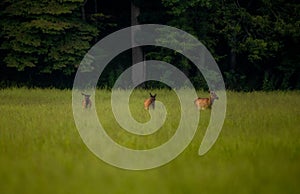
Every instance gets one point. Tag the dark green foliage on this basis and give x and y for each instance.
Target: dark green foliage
(44, 36)
(255, 43)
(252, 41)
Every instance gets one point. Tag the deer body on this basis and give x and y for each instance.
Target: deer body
(204, 103)
(86, 102)
(150, 101)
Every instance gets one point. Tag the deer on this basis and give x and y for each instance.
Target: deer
(204, 103)
(86, 102)
(150, 101)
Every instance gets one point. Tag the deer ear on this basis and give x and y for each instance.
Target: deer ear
(154, 95)
(150, 94)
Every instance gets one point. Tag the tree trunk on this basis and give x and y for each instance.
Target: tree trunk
(138, 73)
(95, 6)
(83, 11)
(232, 61)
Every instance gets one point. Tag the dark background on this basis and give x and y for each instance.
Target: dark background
(255, 42)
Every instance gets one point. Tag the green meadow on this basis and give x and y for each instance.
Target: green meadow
(41, 151)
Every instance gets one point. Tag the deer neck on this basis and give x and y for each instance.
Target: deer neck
(211, 100)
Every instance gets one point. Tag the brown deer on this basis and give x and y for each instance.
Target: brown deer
(150, 101)
(204, 103)
(86, 102)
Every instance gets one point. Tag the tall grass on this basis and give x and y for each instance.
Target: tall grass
(258, 150)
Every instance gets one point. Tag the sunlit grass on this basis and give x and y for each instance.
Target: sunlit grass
(258, 150)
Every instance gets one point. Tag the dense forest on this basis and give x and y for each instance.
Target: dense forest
(255, 42)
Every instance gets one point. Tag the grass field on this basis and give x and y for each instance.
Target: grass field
(258, 150)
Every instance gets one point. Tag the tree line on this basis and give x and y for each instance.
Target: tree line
(254, 42)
